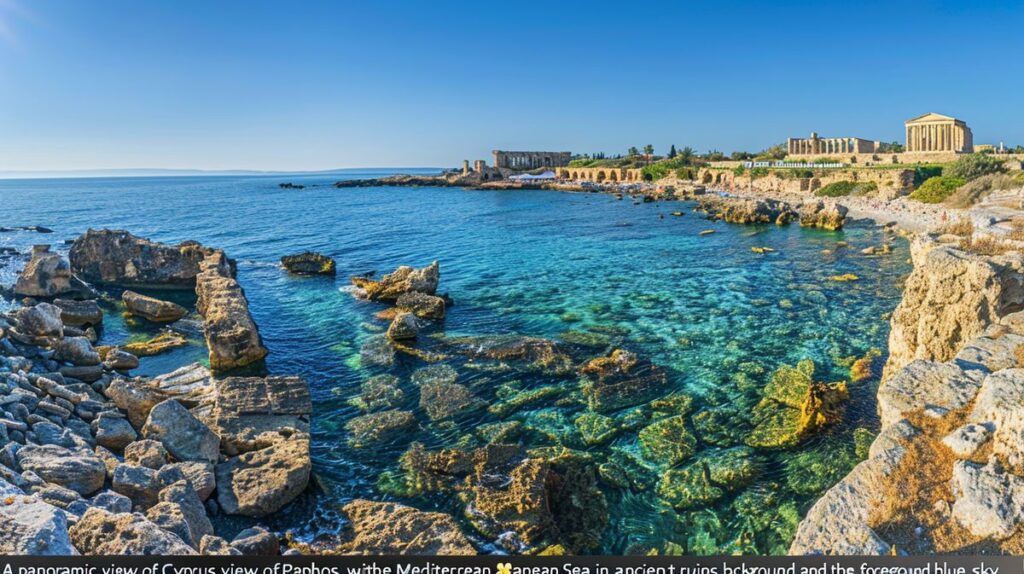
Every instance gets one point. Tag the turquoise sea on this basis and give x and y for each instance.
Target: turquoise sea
(563, 266)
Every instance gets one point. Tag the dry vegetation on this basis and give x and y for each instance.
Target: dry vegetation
(921, 497)
(984, 245)
(961, 227)
(1016, 229)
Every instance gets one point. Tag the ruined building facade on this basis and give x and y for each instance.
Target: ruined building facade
(528, 160)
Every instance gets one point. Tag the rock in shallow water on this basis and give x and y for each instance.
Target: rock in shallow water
(263, 481)
(152, 308)
(402, 280)
(389, 528)
(309, 263)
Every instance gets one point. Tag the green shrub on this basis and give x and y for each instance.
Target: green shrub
(936, 189)
(654, 171)
(925, 172)
(758, 172)
(843, 188)
(739, 170)
(973, 166)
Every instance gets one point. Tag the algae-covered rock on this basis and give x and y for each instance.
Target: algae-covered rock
(675, 404)
(309, 263)
(442, 400)
(377, 428)
(689, 487)
(596, 428)
(812, 471)
(793, 406)
(434, 374)
(586, 339)
(159, 344)
(866, 367)
(378, 393)
(667, 441)
(516, 399)
(621, 380)
(528, 354)
(721, 426)
(734, 468)
(862, 439)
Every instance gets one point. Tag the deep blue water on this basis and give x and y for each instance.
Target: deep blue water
(535, 263)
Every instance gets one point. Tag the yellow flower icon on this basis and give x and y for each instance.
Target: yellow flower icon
(504, 568)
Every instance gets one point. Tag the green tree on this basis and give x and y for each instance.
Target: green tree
(686, 155)
(973, 166)
(632, 152)
(672, 152)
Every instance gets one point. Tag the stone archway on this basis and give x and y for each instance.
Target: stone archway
(706, 179)
(613, 176)
(601, 176)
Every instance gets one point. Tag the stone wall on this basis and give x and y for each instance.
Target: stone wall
(891, 182)
(529, 160)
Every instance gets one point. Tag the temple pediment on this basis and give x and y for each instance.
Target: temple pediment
(931, 117)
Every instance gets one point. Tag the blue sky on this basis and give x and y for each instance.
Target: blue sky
(317, 85)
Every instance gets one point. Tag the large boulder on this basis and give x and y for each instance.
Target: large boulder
(404, 327)
(378, 528)
(231, 335)
(422, 305)
(102, 533)
(402, 280)
(181, 433)
(79, 313)
(249, 411)
(950, 298)
(47, 274)
(37, 325)
(263, 481)
(120, 258)
(31, 526)
(77, 351)
(135, 397)
(184, 497)
(988, 499)
(309, 263)
(152, 308)
(78, 470)
(823, 215)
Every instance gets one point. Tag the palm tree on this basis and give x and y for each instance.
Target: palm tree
(633, 152)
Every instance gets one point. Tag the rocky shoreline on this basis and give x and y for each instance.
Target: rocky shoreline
(96, 461)
(945, 473)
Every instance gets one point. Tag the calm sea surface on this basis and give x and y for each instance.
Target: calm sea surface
(717, 316)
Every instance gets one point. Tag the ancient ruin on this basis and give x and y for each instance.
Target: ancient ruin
(815, 145)
(527, 160)
(938, 133)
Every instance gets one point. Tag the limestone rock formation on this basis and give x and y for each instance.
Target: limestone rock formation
(949, 299)
(152, 308)
(747, 211)
(120, 258)
(261, 482)
(250, 411)
(400, 281)
(31, 526)
(387, 528)
(422, 305)
(47, 274)
(79, 313)
(309, 263)
(231, 335)
(102, 533)
(37, 325)
(403, 328)
(824, 215)
(77, 469)
(182, 434)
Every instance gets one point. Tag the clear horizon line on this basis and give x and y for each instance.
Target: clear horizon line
(157, 171)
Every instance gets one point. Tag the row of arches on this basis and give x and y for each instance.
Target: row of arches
(600, 175)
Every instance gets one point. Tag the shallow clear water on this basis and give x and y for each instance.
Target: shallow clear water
(532, 263)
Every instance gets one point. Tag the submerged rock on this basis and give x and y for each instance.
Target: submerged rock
(309, 263)
(621, 380)
(793, 406)
(422, 305)
(378, 393)
(689, 487)
(667, 442)
(152, 308)
(376, 428)
(442, 400)
(529, 354)
(401, 281)
(384, 528)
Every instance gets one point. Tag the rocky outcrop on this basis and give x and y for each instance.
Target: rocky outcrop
(120, 258)
(152, 308)
(399, 282)
(747, 211)
(47, 274)
(309, 263)
(823, 215)
(249, 412)
(32, 526)
(949, 299)
(387, 528)
(946, 472)
(231, 335)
